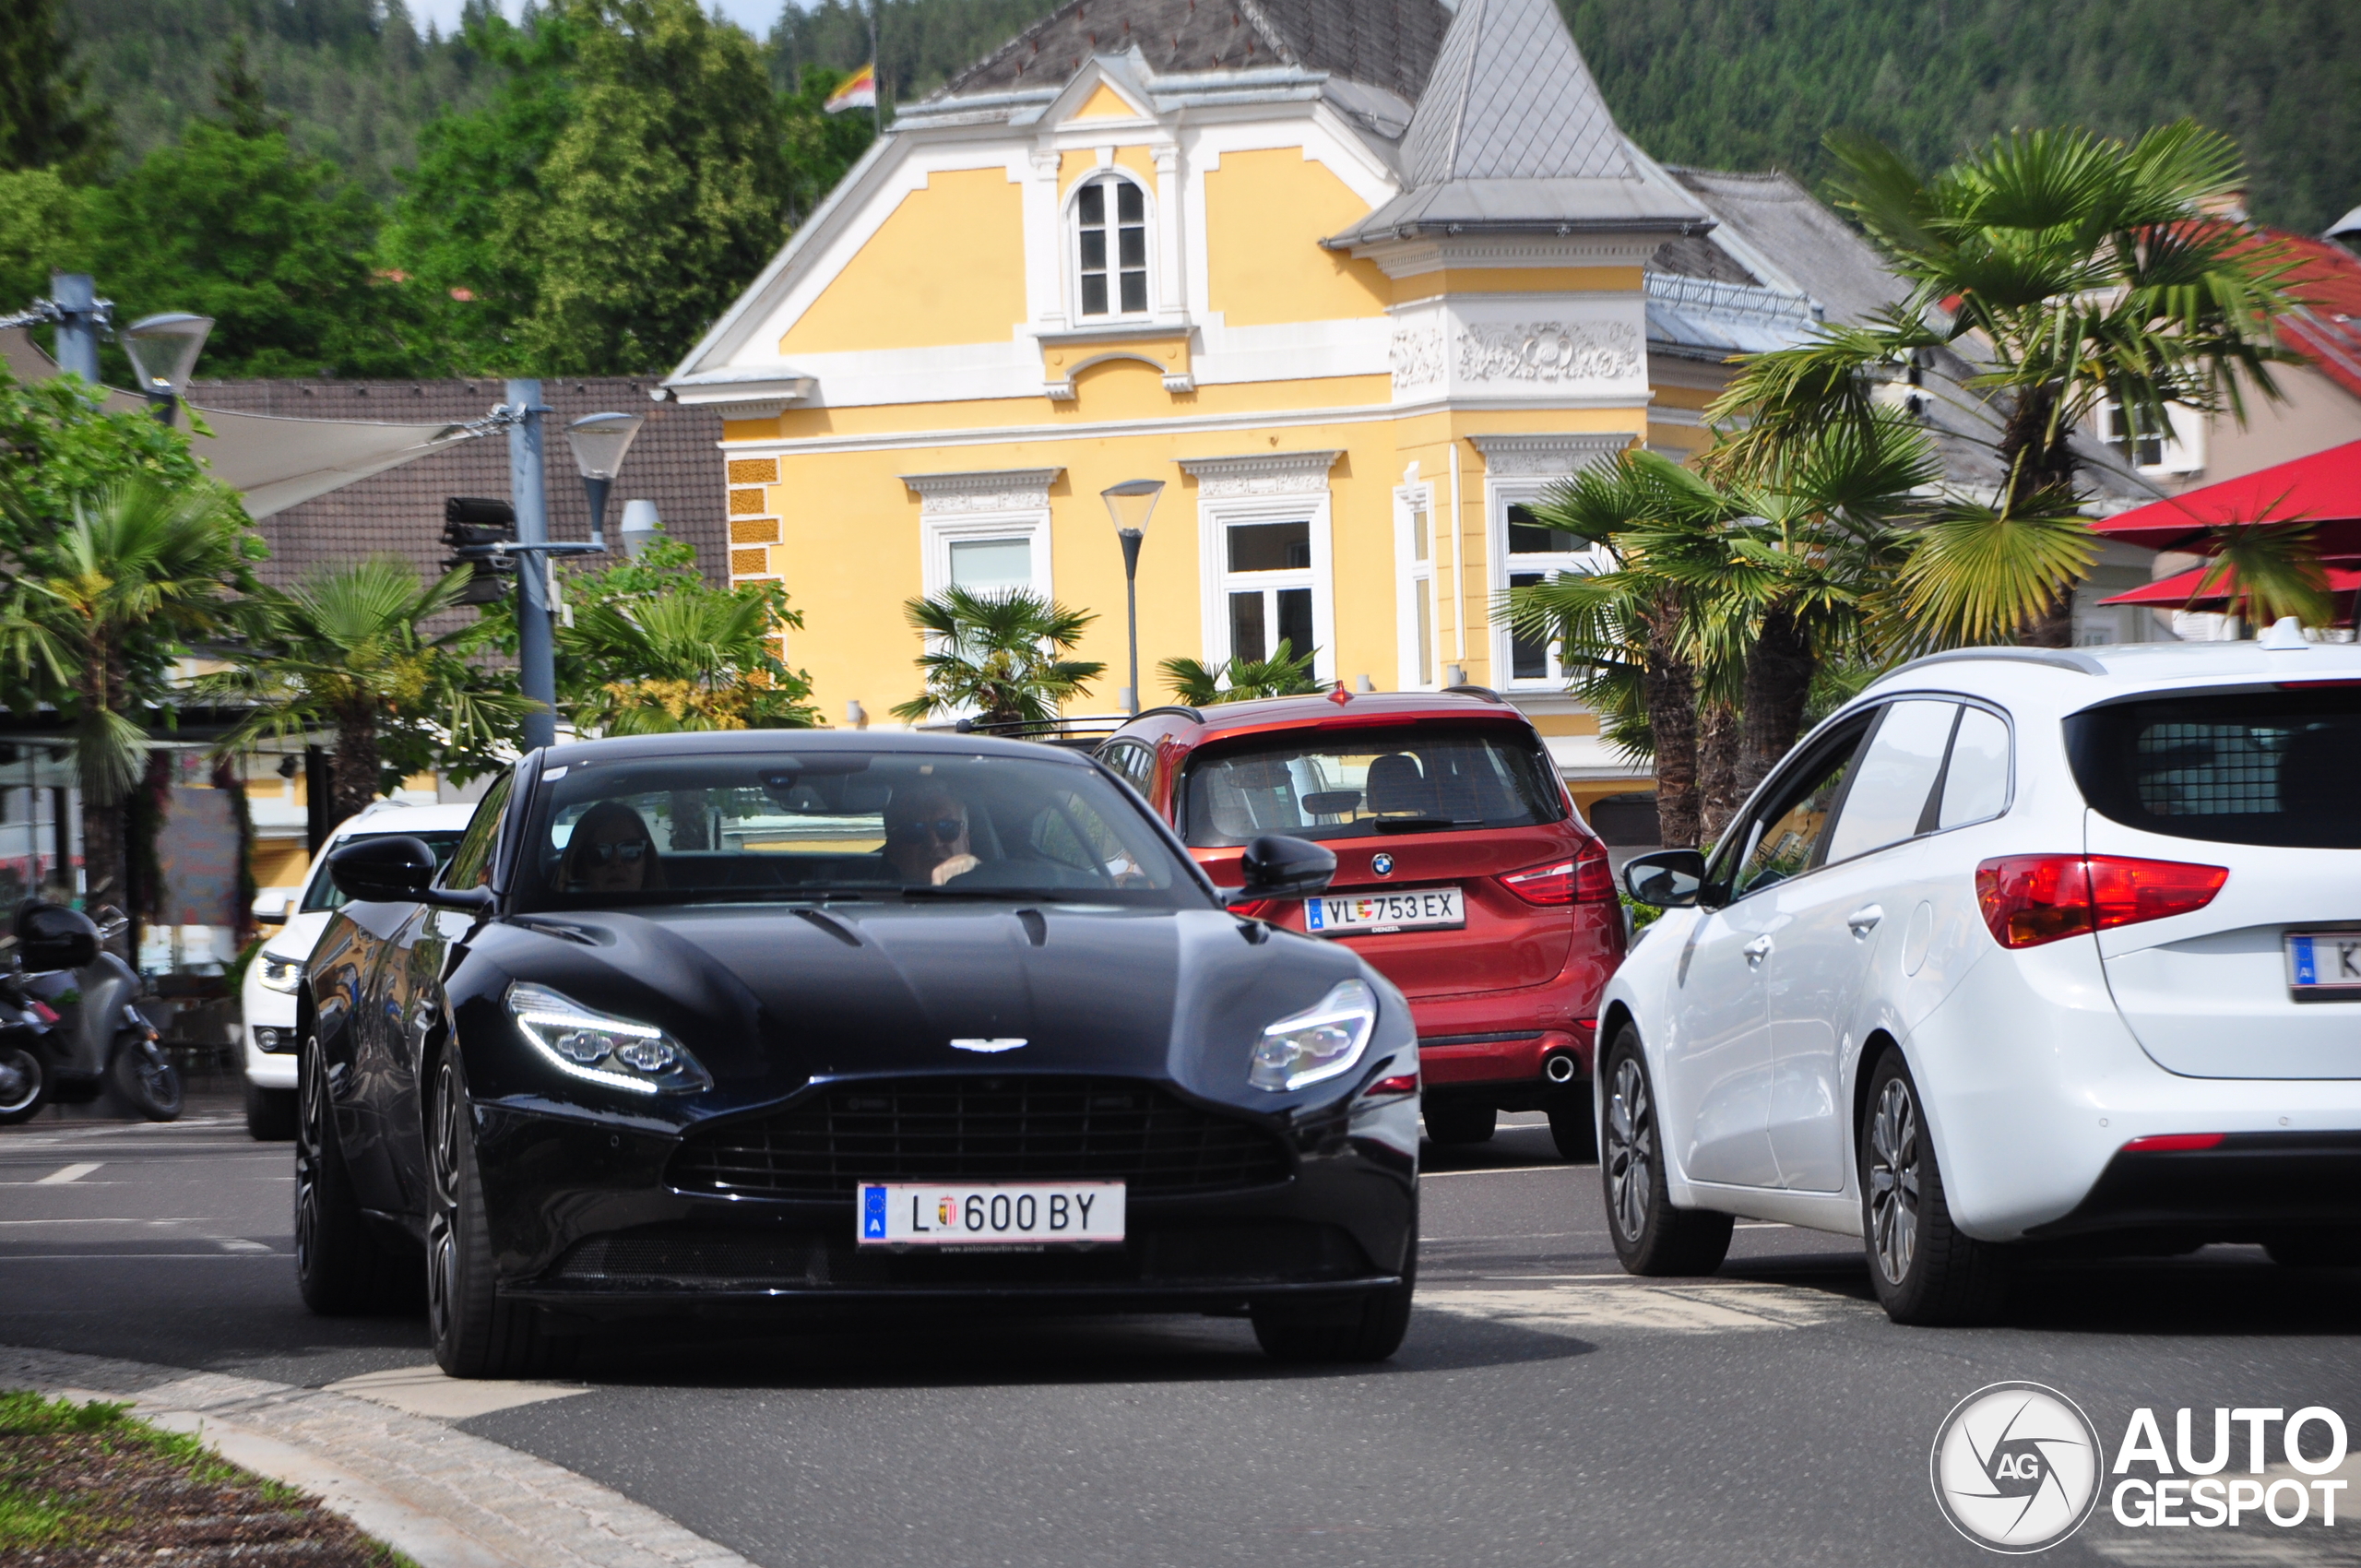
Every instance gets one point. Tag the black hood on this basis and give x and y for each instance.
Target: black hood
(771, 998)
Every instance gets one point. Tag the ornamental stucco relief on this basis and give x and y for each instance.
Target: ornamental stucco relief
(1417, 357)
(1549, 352)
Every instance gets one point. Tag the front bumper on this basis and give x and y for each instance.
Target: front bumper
(584, 1220)
(2250, 1187)
(270, 1053)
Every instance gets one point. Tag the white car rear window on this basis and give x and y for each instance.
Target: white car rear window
(2274, 766)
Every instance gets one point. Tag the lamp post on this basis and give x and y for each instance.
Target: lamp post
(163, 350)
(1132, 503)
(599, 441)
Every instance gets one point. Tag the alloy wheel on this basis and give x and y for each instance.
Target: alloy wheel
(1893, 1180)
(442, 1220)
(1630, 1149)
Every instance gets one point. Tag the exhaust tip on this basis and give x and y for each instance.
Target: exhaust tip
(1559, 1069)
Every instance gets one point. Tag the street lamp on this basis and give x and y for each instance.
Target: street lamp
(163, 350)
(599, 441)
(1132, 503)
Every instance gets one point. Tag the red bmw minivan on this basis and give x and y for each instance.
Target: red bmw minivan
(1463, 873)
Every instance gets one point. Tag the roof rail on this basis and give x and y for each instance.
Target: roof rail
(1485, 692)
(1183, 709)
(2054, 657)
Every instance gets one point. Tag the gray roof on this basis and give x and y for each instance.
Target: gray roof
(1786, 226)
(1510, 135)
(1386, 43)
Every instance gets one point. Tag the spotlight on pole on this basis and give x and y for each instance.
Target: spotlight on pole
(163, 350)
(1130, 504)
(599, 441)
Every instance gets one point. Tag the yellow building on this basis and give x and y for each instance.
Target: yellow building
(1357, 280)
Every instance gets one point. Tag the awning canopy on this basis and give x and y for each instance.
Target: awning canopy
(2174, 592)
(273, 463)
(2323, 490)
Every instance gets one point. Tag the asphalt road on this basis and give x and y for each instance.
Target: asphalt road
(1545, 1409)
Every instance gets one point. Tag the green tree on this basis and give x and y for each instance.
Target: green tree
(1285, 673)
(999, 656)
(46, 119)
(141, 571)
(40, 217)
(820, 146)
(2073, 271)
(342, 649)
(654, 647)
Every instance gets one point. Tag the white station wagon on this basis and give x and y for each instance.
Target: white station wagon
(2019, 948)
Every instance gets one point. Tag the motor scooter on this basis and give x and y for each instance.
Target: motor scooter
(92, 1039)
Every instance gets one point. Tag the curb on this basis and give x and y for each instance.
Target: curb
(440, 1496)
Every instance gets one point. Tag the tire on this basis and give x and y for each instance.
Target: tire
(1572, 1126)
(1366, 1328)
(24, 1085)
(476, 1334)
(1455, 1123)
(1651, 1237)
(1927, 1272)
(270, 1114)
(144, 1076)
(2316, 1249)
(340, 1268)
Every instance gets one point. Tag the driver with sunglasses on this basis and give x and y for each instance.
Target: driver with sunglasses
(926, 836)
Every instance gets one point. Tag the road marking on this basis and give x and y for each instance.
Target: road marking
(1498, 1170)
(240, 1244)
(1727, 1307)
(426, 1391)
(69, 1173)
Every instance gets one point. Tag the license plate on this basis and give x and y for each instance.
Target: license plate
(1357, 914)
(1020, 1213)
(2323, 962)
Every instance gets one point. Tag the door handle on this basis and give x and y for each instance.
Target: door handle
(1864, 920)
(1756, 951)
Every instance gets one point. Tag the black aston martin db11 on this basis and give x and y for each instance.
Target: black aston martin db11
(737, 1023)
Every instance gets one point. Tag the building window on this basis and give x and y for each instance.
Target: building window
(986, 554)
(1267, 588)
(993, 566)
(1416, 547)
(2172, 444)
(1111, 247)
(1532, 553)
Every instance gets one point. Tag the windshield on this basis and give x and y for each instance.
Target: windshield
(1355, 783)
(324, 893)
(789, 825)
(2227, 767)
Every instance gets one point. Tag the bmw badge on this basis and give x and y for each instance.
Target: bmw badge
(1382, 864)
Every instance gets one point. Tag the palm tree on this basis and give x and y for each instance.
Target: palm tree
(1286, 673)
(2070, 271)
(999, 656)
(140, 571)
(342, 649)
(693, 659)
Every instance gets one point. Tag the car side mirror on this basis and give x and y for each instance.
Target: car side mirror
(270, 908)
(1669, 879)
(1278, 867)
(51, 936)
(395, 869)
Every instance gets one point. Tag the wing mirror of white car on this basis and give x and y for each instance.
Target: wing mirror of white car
(270, 908)
(1670, 879)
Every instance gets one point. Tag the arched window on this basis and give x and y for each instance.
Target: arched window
(1111, 247)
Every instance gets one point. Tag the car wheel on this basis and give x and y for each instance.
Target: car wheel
(1651, 1236)
(340, 1268)
(476, 1332)
(270, 1114)
(1926, 1270)
(2316, 1249)
(1572, 1126)
(1453, 1122)
(24, 1085)
(1368, 1327)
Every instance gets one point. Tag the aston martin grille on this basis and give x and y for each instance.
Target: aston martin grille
(982, 1129)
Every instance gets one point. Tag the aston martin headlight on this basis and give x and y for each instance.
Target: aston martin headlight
(280, 973)
(619, 1052)
(1319, 1042)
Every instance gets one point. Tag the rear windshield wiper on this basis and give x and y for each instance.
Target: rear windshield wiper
(1422, 823)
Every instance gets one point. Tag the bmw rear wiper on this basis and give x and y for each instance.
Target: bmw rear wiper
(1421, 824)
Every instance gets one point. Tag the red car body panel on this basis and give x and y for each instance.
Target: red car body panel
(1492, 1001)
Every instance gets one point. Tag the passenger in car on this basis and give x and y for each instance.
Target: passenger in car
(926, 836)
(611, 850)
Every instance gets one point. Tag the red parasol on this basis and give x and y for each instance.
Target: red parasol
(2323, 490)
(2173, 592)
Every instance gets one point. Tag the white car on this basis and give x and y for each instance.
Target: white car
(266, 1000)
(2019, 949)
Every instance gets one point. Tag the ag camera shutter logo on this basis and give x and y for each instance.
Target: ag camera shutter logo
(2016, 1467)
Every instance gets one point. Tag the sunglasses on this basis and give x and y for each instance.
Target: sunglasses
(629, 850)
(945, 829)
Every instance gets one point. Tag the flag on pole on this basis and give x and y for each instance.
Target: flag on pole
(859, 91)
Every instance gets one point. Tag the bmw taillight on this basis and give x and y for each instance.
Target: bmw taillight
(1584, 879)
(2030, 899)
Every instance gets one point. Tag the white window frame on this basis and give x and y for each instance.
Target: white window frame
(1071, 219)
(2182, 448)
(1415, 580)
(958, 508)
(940, 533)
(1499, 494)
